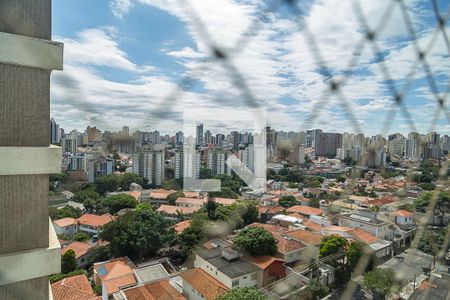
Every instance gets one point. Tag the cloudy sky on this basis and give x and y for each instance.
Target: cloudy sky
(141, 63)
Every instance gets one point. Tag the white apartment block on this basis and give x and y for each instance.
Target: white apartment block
(149, 165)
(217, 162)
(187, 164)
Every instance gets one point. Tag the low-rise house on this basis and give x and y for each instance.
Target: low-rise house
(271, 269)
(157, 290)
(310, 239)
(225, 201)
(181, 226)
(199, 285)
(73, 288)
(67, 226)
(81, 252)
(225, 265)
(173, 211)
(155, 270)
(159, 196)
(114, 274)
(286, 221)
(402, 217)
(366, 220)
(306, 211)
(190, 202)
(93, 224)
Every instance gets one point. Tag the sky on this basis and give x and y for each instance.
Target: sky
(143, 63)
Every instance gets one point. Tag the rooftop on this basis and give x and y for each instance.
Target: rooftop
(173, 210)
(232, 269)
(65, 222)
(305, 210)
(73, 288)
(95, 220)
(159, 290)
(80, 248)
(305, 236)
(204, 283)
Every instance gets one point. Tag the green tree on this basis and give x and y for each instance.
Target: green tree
(354, 253)
(287, 201)
(82, 236)
(117, 202)
(68, 261)
(174, 196)
(225, 192)
(245, 293)
(427, 186)
(256, 241)
(138, 234)
(64, 212)
(107, 183)
(98, 253)
(211, 207)
(57, 277)
(379, 282)
(127, 179)
(332, 244)
(341, 178)
(317, 289)
(171, 184)
(85, 194)
(312, 182)
(205, 173)
(95, 206)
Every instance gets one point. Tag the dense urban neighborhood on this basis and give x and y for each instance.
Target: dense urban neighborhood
(340, 215)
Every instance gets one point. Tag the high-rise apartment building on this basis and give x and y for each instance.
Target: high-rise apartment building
(217, 162)
(150, 165)
(179, 138)
(69, 145)
(326, 144)
(187, 165)
(299, 154)
(126, 130)
(54, 132)
(199, 135)
(208, 137)
(99, 167)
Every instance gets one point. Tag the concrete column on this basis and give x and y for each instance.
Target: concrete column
(24, 123)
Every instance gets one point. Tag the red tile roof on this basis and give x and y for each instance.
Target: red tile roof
(193, 201)
(305, 236)
(402, 213)
(159, 290)
(172, 209)
(180, 227)
(80, 248)
(313, 226)
(73, 288)
(204, 283)
(116, 273)
(363, 236)
(65, 222)
(95, 220)
(161, 194)
(225, 201)
(286, 245)
(263, 262)
(305, 210)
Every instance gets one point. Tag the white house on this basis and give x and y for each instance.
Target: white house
(366, 220)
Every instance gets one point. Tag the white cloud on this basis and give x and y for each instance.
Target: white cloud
(120, 8)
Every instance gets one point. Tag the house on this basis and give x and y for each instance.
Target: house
(199, 285)
(306, 211)
(366, 220)
(402, 217)
(190, 202)
(114, 274)
(272, 269)
(267, 212)
(151, 271)
(225, 265)
(156, 290)
(224, 201)
(181, 226)
(73, 288)
(288, 249)
(81, 252)
(286, 221)
(173, 211)
(66, 226)
(380, 247)
(158, 197)
(93, 224)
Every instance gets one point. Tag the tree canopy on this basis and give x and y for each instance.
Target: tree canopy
(245, 293)
(354, 253)
(317, 289)
(287, 201)
(117, 202)
(379, 281)
(68, 261)
(64, 212)
(174, 196)
(256, 241)
(138, 233)
(332, 244)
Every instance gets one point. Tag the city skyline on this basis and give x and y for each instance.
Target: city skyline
(123, 66)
